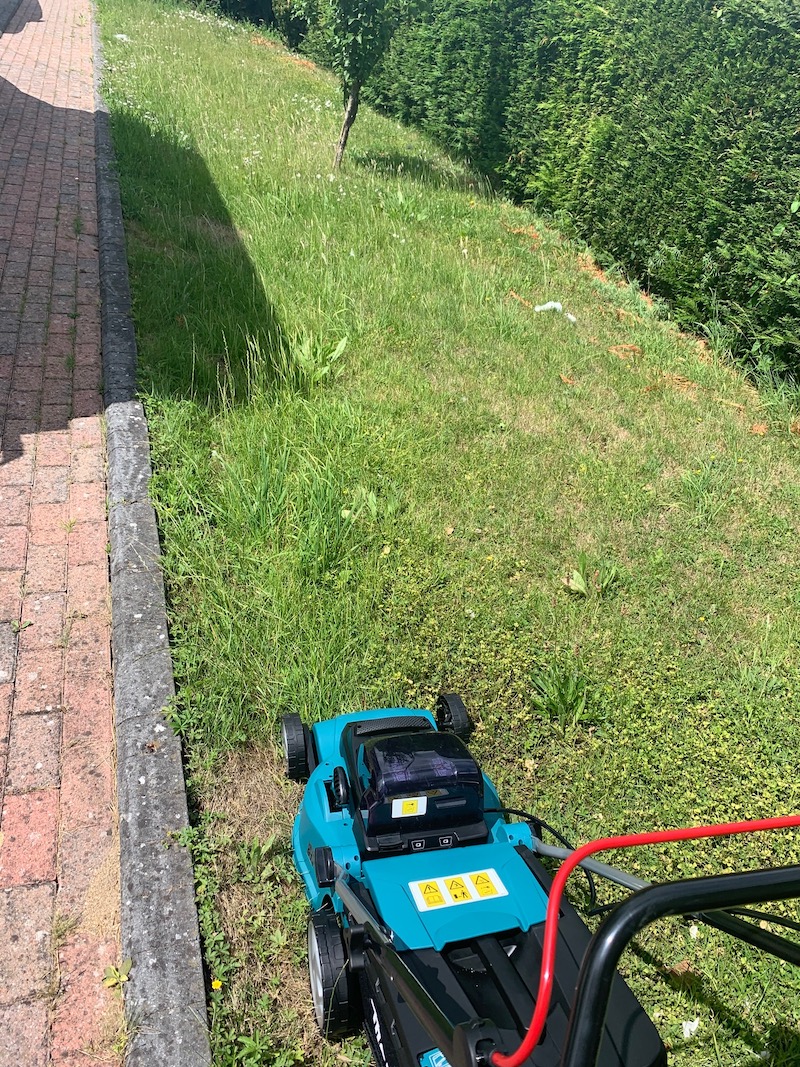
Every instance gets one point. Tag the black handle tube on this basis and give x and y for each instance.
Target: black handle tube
(424, 1007)
(379, 947)
(466, 1044)
(774, 944)
(587, 1018)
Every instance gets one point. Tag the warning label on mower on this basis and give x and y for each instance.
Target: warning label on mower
(403, 807)
(457, 889)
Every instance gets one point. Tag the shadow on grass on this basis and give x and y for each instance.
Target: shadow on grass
(205, 326)
(456, 177)
(782, 1042)
(784, 1047)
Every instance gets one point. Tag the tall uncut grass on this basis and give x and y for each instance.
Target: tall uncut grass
(380, 472)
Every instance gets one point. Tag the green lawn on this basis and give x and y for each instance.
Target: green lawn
(375, 466)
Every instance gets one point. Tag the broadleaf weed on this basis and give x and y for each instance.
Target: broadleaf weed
(588, 579)
(558, 693)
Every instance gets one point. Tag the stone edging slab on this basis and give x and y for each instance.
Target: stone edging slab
(165, 1002)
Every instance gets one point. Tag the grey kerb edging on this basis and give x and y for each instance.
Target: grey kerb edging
(165, 998)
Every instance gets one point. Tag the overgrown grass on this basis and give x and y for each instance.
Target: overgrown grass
(375, 466)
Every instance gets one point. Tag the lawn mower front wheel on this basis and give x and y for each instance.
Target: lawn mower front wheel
(451, 715)
(295, 751)
(333, 991)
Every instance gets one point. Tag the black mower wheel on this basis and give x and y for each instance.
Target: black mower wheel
(335, 995)
(294, 747)
(451, 715)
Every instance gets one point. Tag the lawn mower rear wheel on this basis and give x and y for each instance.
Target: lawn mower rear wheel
(333, 991)
(451, 715)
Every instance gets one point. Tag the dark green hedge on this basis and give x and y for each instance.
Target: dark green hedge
(449, 73)
(667, 131)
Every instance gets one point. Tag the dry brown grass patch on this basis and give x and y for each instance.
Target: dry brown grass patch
(258, 803)
(255, 795)
(100, 915)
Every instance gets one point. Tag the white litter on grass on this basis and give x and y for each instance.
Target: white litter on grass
(557, 306)
(122, 37)
(690, 1028)
(694, 932)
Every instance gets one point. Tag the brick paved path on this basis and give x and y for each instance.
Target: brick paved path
(59, 895)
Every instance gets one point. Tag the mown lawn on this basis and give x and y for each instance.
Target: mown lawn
(380, 472)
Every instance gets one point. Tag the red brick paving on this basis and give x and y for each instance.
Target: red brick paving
(30, 836)
(25, 922)
(34, 753)
(22, 1025)
(58, 890)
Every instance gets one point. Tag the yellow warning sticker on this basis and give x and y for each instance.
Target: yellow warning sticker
(431, 894)
(403, 807)
(457, 890)
(465, 888)
(484, 886)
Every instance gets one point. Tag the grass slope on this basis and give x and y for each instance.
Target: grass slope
(375, 466)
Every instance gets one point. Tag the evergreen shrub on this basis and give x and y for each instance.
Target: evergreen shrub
(668, 131)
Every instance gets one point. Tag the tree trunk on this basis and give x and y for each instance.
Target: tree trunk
(350, 110)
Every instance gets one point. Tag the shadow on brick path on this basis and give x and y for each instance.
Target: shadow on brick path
(49, 276)
(8, 9)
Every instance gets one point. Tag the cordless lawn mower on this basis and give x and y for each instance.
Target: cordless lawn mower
(435, 925)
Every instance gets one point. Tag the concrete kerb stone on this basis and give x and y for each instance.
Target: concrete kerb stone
(134, 525)
(128, 450)
(165, 998)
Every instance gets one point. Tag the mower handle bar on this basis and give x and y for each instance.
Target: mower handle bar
(603, 844)
(765, 940)
(603, 870)
(471, 1044)
(587, 1018)
(475, 1043)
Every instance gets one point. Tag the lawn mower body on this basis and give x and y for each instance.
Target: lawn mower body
(428, 906)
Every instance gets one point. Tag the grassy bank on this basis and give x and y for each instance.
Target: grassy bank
(380, 472)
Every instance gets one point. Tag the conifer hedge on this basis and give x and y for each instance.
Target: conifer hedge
(667, 131)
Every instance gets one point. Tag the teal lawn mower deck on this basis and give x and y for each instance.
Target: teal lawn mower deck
(428, 907)
(435, 925)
